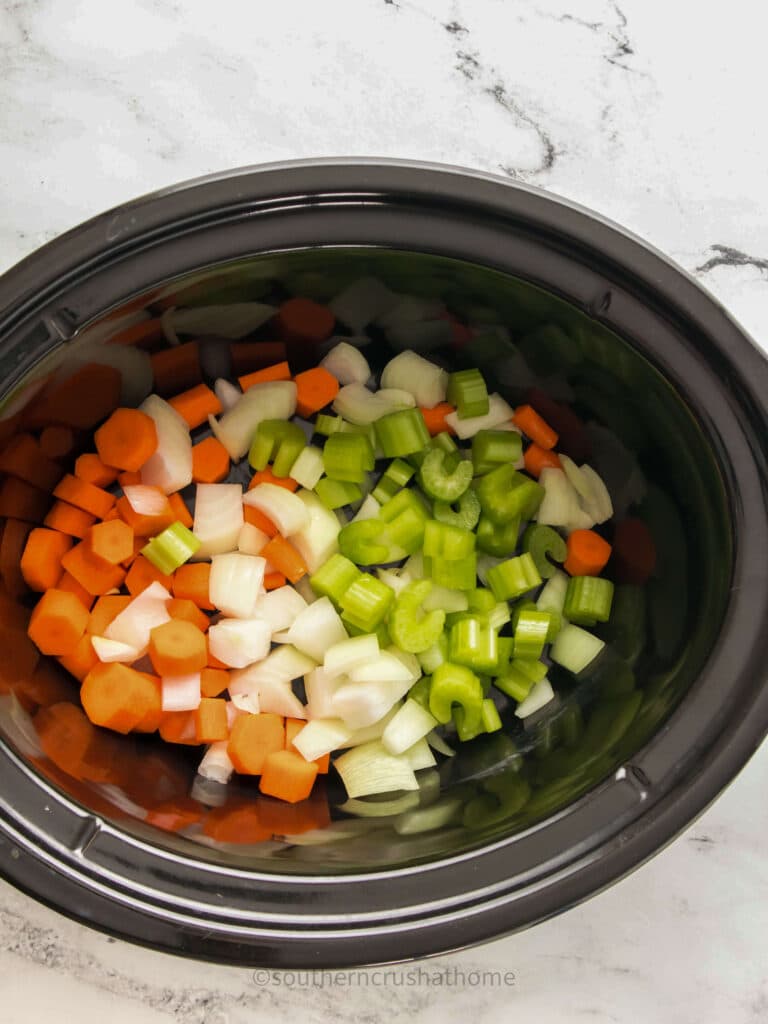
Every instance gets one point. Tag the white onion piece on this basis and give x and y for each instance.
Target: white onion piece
(239, 642)
(350, 653)
(134, 623)
(385, 668)
(277, 698)
(304, 587)
(280, 608)
(145, 500)
(541, 694)
(113, 650)
(286, 510)
(347, 364)
(398, 398)
(316, 628)
(273, 400)
(601, 506)
(181, 693)
(552, 596)
(411, 372)
(320, 737)
(371, 732)
(234, 320)
(359, 405)
(419, 755)
(436, 741)
(216, 764)
(370, 769)
(283, 664)
(308, 467)
(361, 302)
(170, 467)
(319, 688)
(411, 723)
(251, 540)
(319, 538)
(368, 510)
(227, 393)
(362, 704)
(410, 661)
(560, 504)
(394, 579)
(218, 518)
(246, 703)
(235, 583)
(499, 412)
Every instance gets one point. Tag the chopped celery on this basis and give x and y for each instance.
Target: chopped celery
(337, 493)
(348, 457)
(411, 629)
(588, 600)
(278, 441)
(514, 577)
(444, 476)
(506, 494)
(455, 574)
(467, 391)
(455, 684)
(543, 543)
(171, 548)
(491, 448)
(448, 542)
(393, 479)
(366, 602)
(402, 433)
(499, 541)
(334, 578)
(473, 642)
(466, 516)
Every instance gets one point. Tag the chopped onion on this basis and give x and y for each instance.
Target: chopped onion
(393, 578)
(436, 741)
(210, 793)
(134, 623)
(170, 467)
(361, 302)
(347, 364)
(235, 583)
(419, 755)
(348, 654)
(316, 628)
(371, 732)
(410, 372)
(277, 697)
(239, 642)
(273, 400)
(410, 661)
(268, 685)
(320, 737)
(368, 510)
(308, 467)
(218, 519)
(234, 320)
(319, 688)
(227, 393)
(411, 723)
(216, 764)
(181, 693)
(319, 538)
(359, 405)
(370, 768)
(145, 500)
(560, 504)
(113, 650)
(552, 596)
(382, 669)
(397, 398)
(251, 540)
(541, 694)
(574, 648)
(362, 704)
(280, 608)
(166, 324)
(499, 412)
(601, 506)
(246, 703)
(304, 587)
(285, 509)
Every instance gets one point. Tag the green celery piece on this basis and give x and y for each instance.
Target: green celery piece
(498, 541)
(531, 633)
(447, 542)
(366, 602)
(455, 574)
(411, 629)
(443, 476)
(542, 543)
(348, 457)
(505, 494)
(327, 425)
(467, 391)
(364, 542)
(455, 684)
(279, 441)
(337, 493)
(402, 433)
(405, 499)
(481, 600)
(334, 578)
(588, 600)
(473, 642)
(466, 516)
(393, 479)
(492, 448)
(513, 577)
(171, 548)
(420, 691)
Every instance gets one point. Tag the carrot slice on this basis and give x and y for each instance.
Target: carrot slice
(178, 727)
(129, 478)
(58, 442)
(255, 355)
(285, 559)
(177, 648)
(280, 371)
(274, 580)
(20, 500)
(12, 544)
(142, 573)
(193, 581)
(104, 611)
(259, 520)
(435, 418)
(211, 722)
(127, 440)
(68, 582)
(634, 551)
(176, 368)
(301, 319)
(118, 697)
(80, 662)
(266, 476)
(84, 496)
(252, 739)
(67, 519)
(91, 572)
(210, 461)
(81, 401)
(588, 553)
(22, 457)
(41, 561)
(213, 681)
(57, 622)
(196, 405)
(90, 468)
(534, 426)
(145, 525)
(537, 458)
(183, 608)
(294, 726)
(180, 511)
(315, 389)
(287, 776)
(111, 541)
(574, 440)
(152, 719)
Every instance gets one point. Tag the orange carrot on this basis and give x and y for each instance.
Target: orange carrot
(255, 355)
(183, 608)
(274, 580)
(210, 461)
(266, 476)
(57, 442)
(84, 496)
(68, 519)
(127, 440)
(81, 401)
(41, 561)
(178, 727)
(12, 544)
(118, 697)
(111, 541)
(180, 511)
(634, 552)
(176, 368)
(294, 726)
(58, 622)
(315, 389)
(20, 500)
(145, 334)
(193, 581)
(177, 648)
(588, 553)
(144, 525)
(304, 320)
(284, 558)
(435, 418)
(537, 458)
(80, 662)
(142, 573)
(259, 520)
(287, 776)
(129, 478)
(573, 437)
(69, 583)
(90, 468)
(196, 405)
(96, 575)
(213, 662)
(252, 739)
(211, 720)
(534, 426)
(104, 611)
(213, 681)
(138, 544)
(280, 371)
(154, 716)
(22, 457)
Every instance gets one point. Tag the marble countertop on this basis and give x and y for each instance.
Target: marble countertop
(646, 111)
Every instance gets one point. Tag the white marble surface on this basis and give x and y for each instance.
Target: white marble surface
(649, 112)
